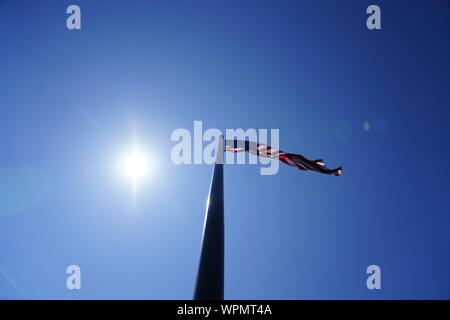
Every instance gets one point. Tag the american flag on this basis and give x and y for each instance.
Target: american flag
(292, 159)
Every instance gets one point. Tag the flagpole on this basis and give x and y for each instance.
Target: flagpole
(210, 276)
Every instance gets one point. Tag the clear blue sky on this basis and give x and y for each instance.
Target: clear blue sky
(71, 100)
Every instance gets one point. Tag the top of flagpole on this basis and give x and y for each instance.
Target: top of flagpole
(220, 150)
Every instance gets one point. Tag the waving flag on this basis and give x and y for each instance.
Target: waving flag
(292, 159)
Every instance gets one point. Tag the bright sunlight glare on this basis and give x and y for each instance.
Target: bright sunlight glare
(135, 166)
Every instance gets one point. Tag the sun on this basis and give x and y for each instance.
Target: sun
(135, 166)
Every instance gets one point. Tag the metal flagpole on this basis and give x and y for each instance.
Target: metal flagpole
(210, 276)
